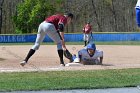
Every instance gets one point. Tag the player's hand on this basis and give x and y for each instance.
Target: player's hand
(64, 48)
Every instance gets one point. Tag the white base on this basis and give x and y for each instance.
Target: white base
(73, 64)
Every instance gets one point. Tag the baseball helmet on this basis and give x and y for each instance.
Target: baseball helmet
(88, 22)
(91, 46)
(70, 15)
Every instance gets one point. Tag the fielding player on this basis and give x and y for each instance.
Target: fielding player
(138, 13)
(87, 33)
(89, 55)
(53, 26)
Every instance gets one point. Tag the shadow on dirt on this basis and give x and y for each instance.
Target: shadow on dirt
(2, 59)
(107, 65)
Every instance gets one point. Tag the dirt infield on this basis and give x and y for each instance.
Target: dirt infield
(46, 58)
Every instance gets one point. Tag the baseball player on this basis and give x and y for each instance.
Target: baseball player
(53, 26)
(89, 55)
(87, 33)
(138, 13)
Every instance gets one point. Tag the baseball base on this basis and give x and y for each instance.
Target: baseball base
(73, 64)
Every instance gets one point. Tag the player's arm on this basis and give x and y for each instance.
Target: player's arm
(101, 57)
(101, 60)
(61, 32)
(84, 29)
(63, 41)
(80, 56)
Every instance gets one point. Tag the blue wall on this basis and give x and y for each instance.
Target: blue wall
(73, 37)
(117, 37)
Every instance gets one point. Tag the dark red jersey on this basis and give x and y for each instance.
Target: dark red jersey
(87, 29)
(57, 19)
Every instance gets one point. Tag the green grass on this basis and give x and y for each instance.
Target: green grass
(54, 80)
(81, 43)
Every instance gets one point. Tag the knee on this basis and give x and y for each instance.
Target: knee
(36, 47)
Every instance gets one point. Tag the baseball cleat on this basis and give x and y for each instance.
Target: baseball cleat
(62, 65)
(23, 63)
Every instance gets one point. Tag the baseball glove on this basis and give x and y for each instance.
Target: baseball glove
(68, 55)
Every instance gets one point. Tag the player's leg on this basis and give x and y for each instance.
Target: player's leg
(138, 16)
(53, 34)
(39, 39)
(88, 38)
(84, 38)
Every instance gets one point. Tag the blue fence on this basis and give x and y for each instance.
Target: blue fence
(73, 37)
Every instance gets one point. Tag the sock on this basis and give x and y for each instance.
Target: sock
(85, 43)
(60, 53)
(30, 53)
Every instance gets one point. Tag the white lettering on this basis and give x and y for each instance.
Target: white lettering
(12, 38)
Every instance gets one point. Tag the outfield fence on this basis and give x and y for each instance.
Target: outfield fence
(27, 38)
